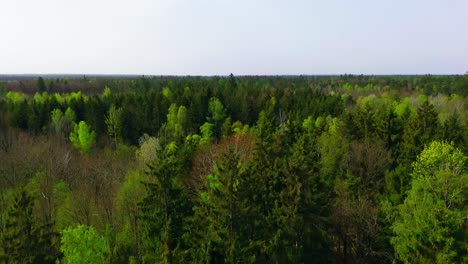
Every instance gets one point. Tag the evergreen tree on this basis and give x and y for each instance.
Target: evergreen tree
(221, 222)
(313, 201)
(453, 130)
(41, 85)
(165, 208)
(23, 239)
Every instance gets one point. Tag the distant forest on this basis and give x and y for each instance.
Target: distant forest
(234, 169)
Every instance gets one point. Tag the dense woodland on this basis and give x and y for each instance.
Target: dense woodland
(251, 169)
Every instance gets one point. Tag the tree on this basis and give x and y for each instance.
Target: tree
(69, 120)
(430, 226)
(165, 208)
(149, 148)
(453, 130)
(114, 123)
(70, 115)
(312, 199)
(176, 124)
(57, 119)
(41, 85)
(130, 194)
(217, 115)
(220, 229)
(207, 133)
(369, 163)
(23, 240)
(62, 123)
(82, 137)
(82, 244)
(355, 228)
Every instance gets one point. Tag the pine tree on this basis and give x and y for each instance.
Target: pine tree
(41, 85)
(165, 209)
(23, 239)
(313, 200)
(221, 222)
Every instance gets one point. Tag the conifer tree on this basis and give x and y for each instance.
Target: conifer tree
(165, 208)
(23, 239)
(221, 222)
(41, 85)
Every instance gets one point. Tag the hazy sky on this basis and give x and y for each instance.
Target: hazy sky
(217, 37)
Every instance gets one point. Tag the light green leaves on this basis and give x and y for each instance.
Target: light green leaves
(216, 108)
(114, 122)
(429, 225)
(57, 120)
(61, 121)
(82, 244)
(439, 156)
(207, 132)
(83, 137)
(176, 121)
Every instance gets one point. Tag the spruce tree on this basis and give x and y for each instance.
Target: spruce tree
(221, 226)
(165, 208)
(23, 239)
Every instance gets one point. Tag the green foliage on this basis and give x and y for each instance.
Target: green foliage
(439, 156)
(70, 115)
(167, 93)
(207, 132)
(41, 85)
(290, 169)
(149, 148)
(239, 129)
(15, 98)
(308, 123)
(334, 154)
(62, 197)
(217, 115)
(175, 127)
(219, 220)
(107, 92)
(40, 97)
(114, 122)
(23, 240)
(82, 244)
(430, 223)
(57, 119)
(82, 137)
(404, 108)
(62, 123)
(59, 98)
(216, 109)
(164, 209)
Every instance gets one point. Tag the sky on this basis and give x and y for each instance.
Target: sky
(243, 37)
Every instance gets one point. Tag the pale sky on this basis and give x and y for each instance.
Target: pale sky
(244, 37)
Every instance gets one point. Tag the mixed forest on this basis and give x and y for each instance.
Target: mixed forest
(234, 169)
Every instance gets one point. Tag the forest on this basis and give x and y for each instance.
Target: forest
(234, 169)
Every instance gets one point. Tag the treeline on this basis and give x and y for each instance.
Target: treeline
(345, 169)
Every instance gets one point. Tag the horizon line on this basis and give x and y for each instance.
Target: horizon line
(222, 75)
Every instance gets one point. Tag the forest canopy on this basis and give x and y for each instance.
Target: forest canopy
(234, 169)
